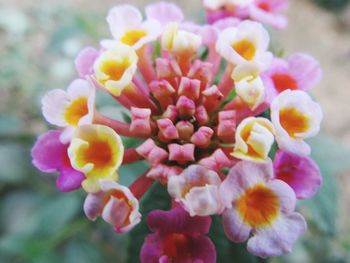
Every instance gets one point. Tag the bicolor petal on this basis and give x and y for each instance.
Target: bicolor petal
(196, 188)
(115, 68)
(295, 117)
(254, 138)
(72, 107)
(97, 151)
(246, 43)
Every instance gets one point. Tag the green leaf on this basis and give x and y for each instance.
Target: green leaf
(82, 251)
(156, 198)
(225, 249)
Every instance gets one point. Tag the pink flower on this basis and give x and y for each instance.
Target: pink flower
(270, 12)
(50, 155)
(300, 173)
(261, 206)
(177, 237)
(299, 72)
(197, 189)
(116, 204)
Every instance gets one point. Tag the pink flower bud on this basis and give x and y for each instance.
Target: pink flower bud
(216, 161)
(227, 126)
(170, 113)
(181, 153)
(202, 115)
(167, 68)
(185, 130)
(186, 107)
(163, 172)
(140, 121)
(189, 88)
(202, 137)
(150, 151)
(202, 71)
(212, 98)
(162, 91)
(167, 129)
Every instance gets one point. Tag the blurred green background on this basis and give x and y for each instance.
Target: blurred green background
(39, 40)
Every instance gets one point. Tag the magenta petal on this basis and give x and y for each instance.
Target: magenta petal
(300, 172)
(177, 220)
(69, 180)
(151, 249)
(48, 152)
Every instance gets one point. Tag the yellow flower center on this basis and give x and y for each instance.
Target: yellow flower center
(259, 206)
(76, 110)
(115, 69)
(294, 121)
(245, 49)
(131, 37)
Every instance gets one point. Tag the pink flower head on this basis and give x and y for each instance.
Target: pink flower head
(197, 189)
(270, 12)
(198, 99)
(299, 172)
(50, 155)
(177, 237)
(299, 72)
(116, 204)
(256, 204)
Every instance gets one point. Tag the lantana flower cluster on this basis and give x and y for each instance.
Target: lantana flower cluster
(223, 124)
(270, 12)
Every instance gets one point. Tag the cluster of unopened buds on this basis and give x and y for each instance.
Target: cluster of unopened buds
(223, 124)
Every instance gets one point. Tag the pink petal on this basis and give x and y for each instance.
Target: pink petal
(85, 60)
(305, 69)
(235, 229)
(164, 12)
(69, 180)
(93, 205)
(279, 238)
(299, 172)
(48, 152)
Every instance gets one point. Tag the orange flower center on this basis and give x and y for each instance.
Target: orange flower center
(283, 82)
(98, 153)
(76, 110)
(264, 6)
(259, 206)
(131, 37)
(115, 69)
(294, 121)
(245, 48)
(176, 246)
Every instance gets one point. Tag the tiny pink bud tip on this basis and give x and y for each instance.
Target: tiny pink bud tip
(216, 161)
(170, 113)
(201, 115)
(140, 121)
(181, 153)
(150, 151)
(162, 91)
(202, 137)
(227, 126)
(167, 68)
(212, 98)
(186, 107)
(163, 172)
(185, 130)
(189, 88)
(167, 129)
(202, 71)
